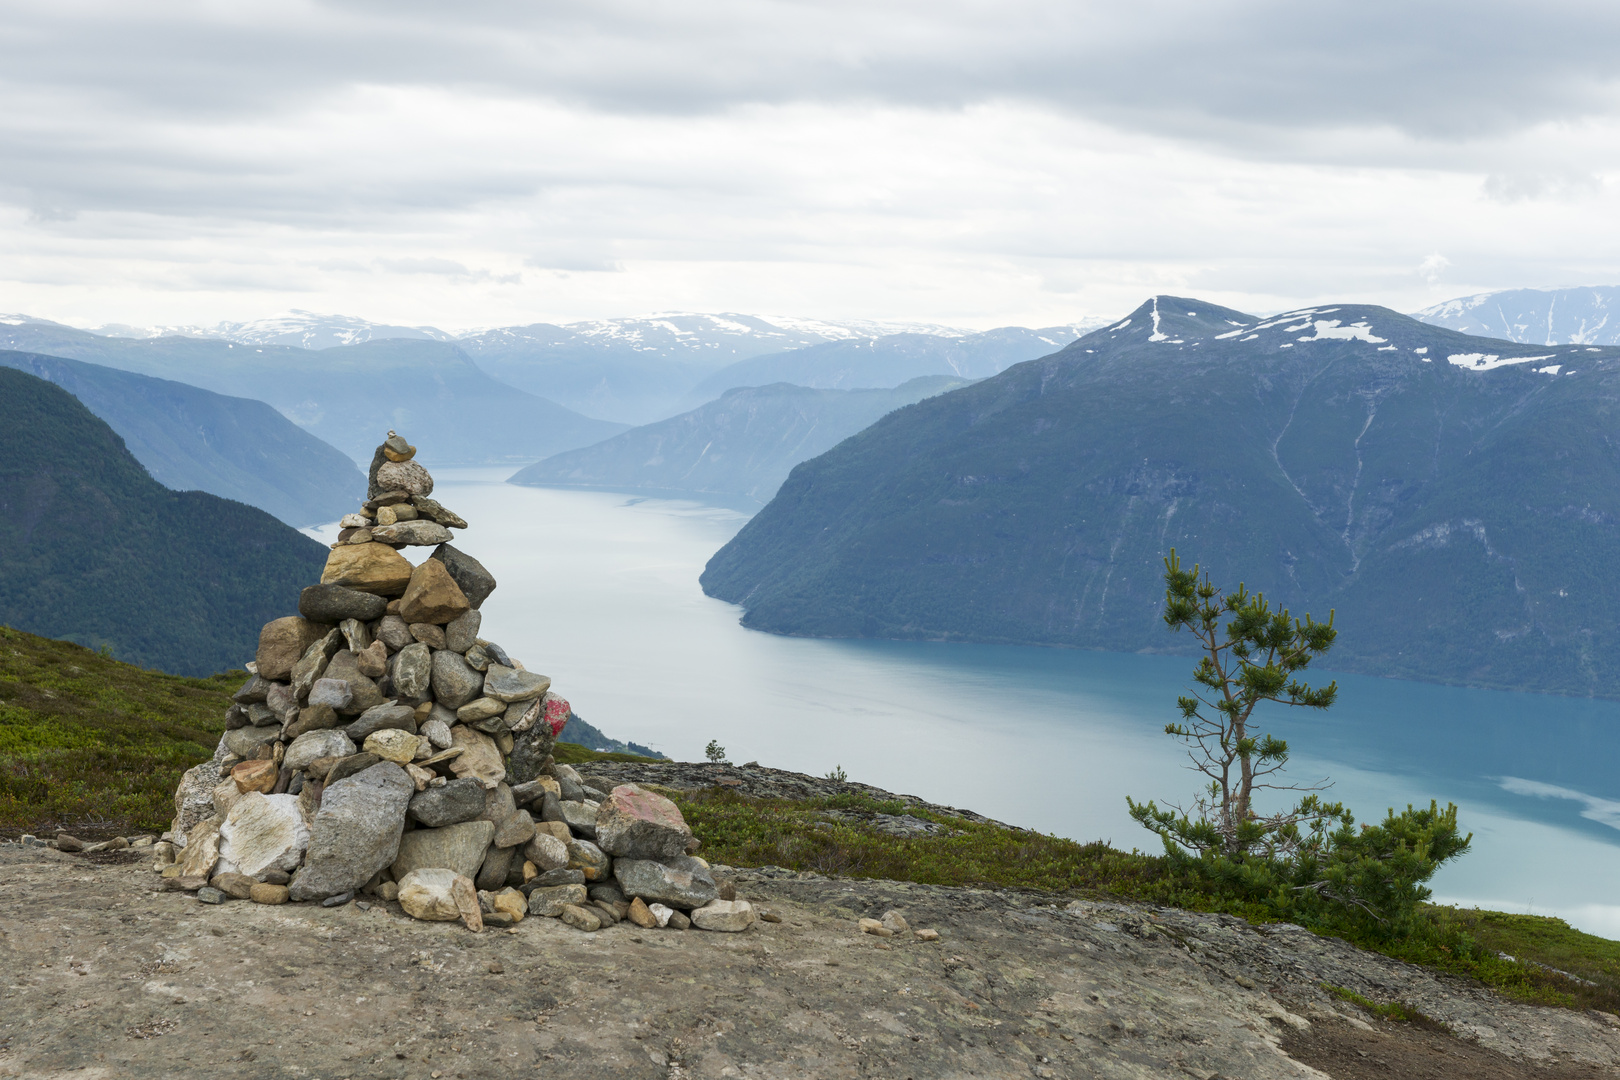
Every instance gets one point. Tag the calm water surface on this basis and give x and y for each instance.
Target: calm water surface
(600, 592)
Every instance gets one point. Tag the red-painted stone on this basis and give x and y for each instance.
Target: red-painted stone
(635, 823)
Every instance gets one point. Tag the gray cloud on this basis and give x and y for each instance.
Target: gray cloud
(1438, 70)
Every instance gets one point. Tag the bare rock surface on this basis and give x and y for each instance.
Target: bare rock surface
(134, 982)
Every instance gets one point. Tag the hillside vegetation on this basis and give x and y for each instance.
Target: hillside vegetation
(1456, 499)
(94, 550)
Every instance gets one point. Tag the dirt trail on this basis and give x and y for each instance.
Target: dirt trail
(107, 978)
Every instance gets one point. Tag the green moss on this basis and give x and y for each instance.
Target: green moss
(1394, 1010)
(89, 743)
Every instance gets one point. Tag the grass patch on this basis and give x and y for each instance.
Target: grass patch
(800, 835)
(92, 744)
(1396, 1010)
(1530, 957)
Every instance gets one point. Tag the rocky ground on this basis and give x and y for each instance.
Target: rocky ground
(107, 977)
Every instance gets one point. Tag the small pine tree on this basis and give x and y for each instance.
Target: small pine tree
(715, 752)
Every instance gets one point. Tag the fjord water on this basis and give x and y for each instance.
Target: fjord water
(600, 591)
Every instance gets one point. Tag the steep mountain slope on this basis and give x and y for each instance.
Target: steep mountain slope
(1589, 315)
(640, 370)
(195, 440)
(343, 395)
(890, 360)
(1456, 499)
(741, 446)
(94, 550)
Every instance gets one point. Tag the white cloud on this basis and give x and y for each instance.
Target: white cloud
(964, 162)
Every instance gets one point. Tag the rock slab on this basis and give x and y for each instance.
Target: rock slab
(356, 832)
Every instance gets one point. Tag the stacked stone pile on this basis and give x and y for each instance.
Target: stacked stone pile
(381, 746)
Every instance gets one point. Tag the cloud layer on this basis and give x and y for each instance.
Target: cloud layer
(969, 162)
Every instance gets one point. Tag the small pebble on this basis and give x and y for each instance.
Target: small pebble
(209, 895)
(337, 901)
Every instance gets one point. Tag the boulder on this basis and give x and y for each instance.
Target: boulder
(392, 744)
(201, 853)
(247, 742)
(459, 800)
(379, 717)
(725, 916)
(407, 476)
(364, 691)
(454, 683)
(437, 732)
(580, 818)
(356, 831)
(257, 776)
(430, 894)
(394, 632)
(532, 744)
(461, 632)
(413, 672)
(372, 567)
(476, 583)
(429, 634)
(588, 859)
(480, 757)
(492, 873)
(480, 709)
(335, 694)
(549, 901)
(634, 823)
(265, 893)
(680, 882)
(517, 828)
(350, 766)
(432, 595)
(456, 847)
(282, 643)
(372, 661)
(333, 603)
(508, 685)
(580, 917)
(317, 744)
(311, 718)
(412, 533)
(546, 852)
(263, 832)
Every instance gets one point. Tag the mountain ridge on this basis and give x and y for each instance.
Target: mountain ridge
(1450, 495)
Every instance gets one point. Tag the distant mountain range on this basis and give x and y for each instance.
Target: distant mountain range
(349, 395)
(92, 549)
(739, 447)
(633, 370)
(1455, 498)
(890, 360)
(195, 440)
(1583, 316)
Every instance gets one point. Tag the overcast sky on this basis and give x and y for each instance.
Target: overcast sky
(955, 161)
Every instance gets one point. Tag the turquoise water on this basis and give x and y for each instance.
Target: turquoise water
(600, 592)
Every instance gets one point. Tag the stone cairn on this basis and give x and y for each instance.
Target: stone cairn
(381, 747)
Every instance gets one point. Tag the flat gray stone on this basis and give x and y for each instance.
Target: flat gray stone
(317, 744)
(581, 818)
(680, 882)
(455, 847)
(459, 800)
(508, 685)
(550, 900)
(382, 716)
(356, 832)
(245, 742)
